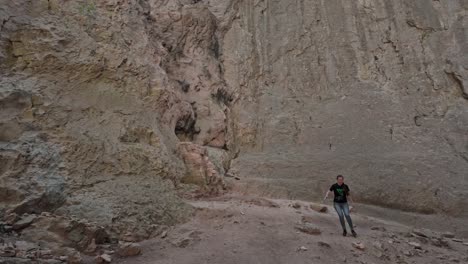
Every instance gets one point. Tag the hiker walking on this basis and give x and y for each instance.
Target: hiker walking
(340, 202)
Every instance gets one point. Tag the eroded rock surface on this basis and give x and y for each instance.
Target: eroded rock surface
(373, 90)
(110, 109)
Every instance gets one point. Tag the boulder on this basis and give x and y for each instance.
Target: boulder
(128, 249)
(308, 229)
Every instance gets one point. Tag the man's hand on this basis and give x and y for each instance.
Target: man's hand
(326, 196)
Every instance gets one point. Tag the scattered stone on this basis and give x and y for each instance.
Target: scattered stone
(7, 251)
(25, 246)
(378, 228)
(407, 253)
(415, 245)
(74, 258)
(104, 258)
(11, 218)
(378, 245)
(109, 252)
(63, 258)
(378, 254)
(308, 229)
(296, 205)
(182, 242)
(420, 233)
(323, 244)
(465, 243)
(439, 242)
(128, 249)
(457, 240)
(128, 237)
(308, 219)
(45, 254)
(263, 202)
(302, 248)
(359, 245)
(448, 235)
(24, 222)
(91, 247)
(319, 208)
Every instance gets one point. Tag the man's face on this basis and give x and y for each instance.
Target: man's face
(340, 180)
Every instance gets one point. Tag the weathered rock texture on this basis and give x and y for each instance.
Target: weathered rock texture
(109, 107)
(95, 96)
(373, 90)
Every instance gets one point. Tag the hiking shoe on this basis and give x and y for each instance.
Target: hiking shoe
(345, 233)
(354, 233)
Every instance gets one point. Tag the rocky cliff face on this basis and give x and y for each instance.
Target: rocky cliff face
(109, 108)
(373, 90)
(95, 98)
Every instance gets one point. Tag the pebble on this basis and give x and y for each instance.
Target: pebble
(359, 245)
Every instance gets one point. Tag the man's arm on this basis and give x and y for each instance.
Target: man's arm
(326, 195)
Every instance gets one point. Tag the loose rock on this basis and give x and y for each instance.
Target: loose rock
(323, 244)
(415, 245)
(448, 235)
(379, 228)
(302, 248)
(359, 245)
(104, 258)
(129, 249)
(308, 229)
(24, 222)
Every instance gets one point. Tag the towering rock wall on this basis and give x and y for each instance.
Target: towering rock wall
(109, 107)
(96, 97)
(374, 90)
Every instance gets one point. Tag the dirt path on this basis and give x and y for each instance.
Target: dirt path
(242, 230)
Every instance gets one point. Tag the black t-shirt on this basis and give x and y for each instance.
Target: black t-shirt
(340, 192)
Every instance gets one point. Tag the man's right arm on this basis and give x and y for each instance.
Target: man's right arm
(328, 192)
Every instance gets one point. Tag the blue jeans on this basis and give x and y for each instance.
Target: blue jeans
(343, 211)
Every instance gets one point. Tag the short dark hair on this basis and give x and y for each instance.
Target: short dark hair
(339, 176)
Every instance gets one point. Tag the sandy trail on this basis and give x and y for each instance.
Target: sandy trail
(235, 230)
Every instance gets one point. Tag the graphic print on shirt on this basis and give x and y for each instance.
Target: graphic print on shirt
(340, 193)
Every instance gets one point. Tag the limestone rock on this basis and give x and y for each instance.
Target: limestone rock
(104, 258)
(24, 222)
(308, 229)
(305, 105)
(323, 244)
(128, 249)
(201, 170)
(415, 245)
(359, 245)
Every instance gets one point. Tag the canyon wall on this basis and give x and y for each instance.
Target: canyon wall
(111, 110)
(374, 90)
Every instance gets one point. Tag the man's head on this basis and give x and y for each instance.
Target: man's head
(340, 179)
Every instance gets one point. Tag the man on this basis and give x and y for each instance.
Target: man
(340, 202)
